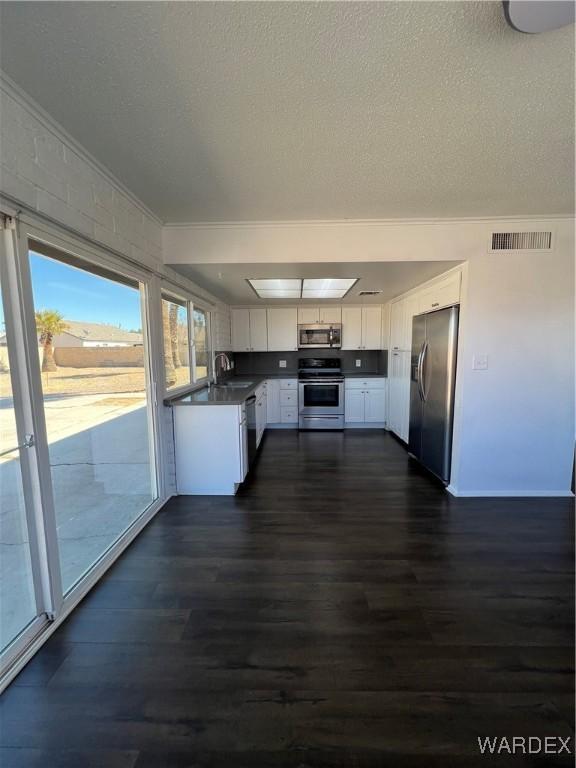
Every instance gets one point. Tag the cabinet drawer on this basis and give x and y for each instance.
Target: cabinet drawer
(366, 383)
(288, 414)
(288, 383)
(442, 294)
(289, 397)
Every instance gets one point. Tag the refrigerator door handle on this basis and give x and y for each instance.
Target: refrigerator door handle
(419, 371)
(425, 388)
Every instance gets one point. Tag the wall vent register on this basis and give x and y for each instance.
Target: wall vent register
(521, 241)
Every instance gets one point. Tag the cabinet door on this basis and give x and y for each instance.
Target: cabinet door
(375, 405)
(282, 329)
(330, 314)
(441, 294)
(396, 324)
(258, 330)
(351, 327)
(405, 396)
(273, 401)
(372, 327)
(240, 319)
(260, 418)
(354, 405)
(308, 315)
(411, 307)
(395, 393)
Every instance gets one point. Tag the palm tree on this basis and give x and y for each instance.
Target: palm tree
(174, 335)
(169, 370)
(49, 323)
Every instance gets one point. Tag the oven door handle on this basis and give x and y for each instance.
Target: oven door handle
(321, 383)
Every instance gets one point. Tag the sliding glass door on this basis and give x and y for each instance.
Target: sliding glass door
(18, 608)
(22, 609)
(92, 345)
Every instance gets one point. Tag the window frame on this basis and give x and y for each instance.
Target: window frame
(169, 290)
(203, 379)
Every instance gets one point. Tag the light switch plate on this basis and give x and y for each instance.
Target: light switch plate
(358, 363)
(282, 363)
(480, 363)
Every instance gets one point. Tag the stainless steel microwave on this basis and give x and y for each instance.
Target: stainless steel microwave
(320, 336)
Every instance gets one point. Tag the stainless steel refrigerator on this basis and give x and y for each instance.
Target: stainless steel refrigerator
(432, 378)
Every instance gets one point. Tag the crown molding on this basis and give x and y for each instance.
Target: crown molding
(19, 95)
(322, 223)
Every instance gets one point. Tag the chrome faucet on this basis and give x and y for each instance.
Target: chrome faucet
(227, 365)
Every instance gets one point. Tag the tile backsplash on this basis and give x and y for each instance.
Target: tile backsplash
(264, 363)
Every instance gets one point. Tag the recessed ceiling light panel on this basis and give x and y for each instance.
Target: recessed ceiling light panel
(277, 288)
(327, 287)
(298, 288)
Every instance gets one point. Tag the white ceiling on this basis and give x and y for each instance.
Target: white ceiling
(217, 111)
(228, 281)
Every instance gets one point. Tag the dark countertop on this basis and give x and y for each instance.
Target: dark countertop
(221, 395)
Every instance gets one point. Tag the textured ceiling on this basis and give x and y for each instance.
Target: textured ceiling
(287, 110)
(228, 281)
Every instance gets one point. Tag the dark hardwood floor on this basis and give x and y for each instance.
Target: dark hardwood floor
(342, 610)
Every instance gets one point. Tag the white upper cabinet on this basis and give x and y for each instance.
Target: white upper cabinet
(362, 327)
(282, 329)
(351, 327)
(372, 327)
(308, 315)
(249, 333)
(240, 321)
(258, 330)
(330, 314)
(440, 294)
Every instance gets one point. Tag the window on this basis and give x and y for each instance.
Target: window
(96, 399)
(200, 344)
(177, 371)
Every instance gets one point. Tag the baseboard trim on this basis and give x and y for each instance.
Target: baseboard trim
(524, 494)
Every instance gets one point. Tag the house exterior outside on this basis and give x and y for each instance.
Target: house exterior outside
(80, 334)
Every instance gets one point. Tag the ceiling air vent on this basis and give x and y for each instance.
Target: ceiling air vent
(521, 241)
(368, 293)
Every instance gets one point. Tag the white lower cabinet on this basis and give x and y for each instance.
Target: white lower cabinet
(354, 405)
(282, 397)
(375, 406)
(273, 401)
(399, 394)
(365, 401)
(211, 448)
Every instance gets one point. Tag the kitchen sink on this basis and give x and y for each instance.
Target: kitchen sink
(235, 384)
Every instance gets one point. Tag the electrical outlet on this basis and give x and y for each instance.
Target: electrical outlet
(480, 363)
(358, 363)
(282, 363)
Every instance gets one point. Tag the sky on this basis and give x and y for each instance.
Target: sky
(79, 295)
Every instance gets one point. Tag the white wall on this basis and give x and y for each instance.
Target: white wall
(516, 423)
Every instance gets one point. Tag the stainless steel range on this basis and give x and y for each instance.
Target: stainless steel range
(320, 393)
